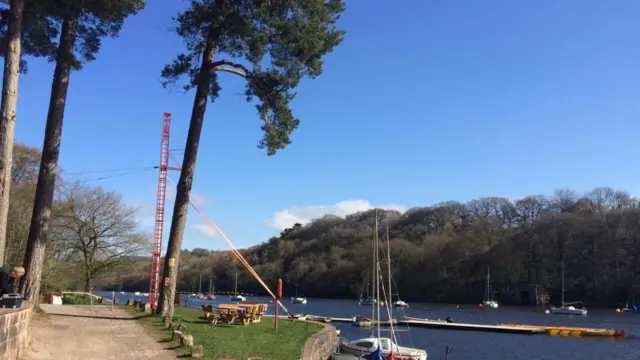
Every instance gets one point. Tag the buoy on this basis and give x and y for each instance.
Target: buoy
(480, 306)
(457, 306)
(547, 312)
(618, 310)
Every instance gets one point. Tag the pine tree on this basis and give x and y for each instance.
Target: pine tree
(272, 45)
(84, 24)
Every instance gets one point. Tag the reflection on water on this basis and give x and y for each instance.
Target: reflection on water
(467, 345)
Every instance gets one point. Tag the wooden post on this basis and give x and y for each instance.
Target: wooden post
(278, 297)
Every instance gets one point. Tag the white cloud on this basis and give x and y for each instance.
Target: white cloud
(203, 229)
(286, 218)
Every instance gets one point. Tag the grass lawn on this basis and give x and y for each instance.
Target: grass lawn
(237, 342)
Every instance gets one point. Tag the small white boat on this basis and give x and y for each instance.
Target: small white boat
(488, 293)
(299, 300)
(137, 293)
(400, 304)
(369, 301)
(238, 298)
(490, 304)
(568, 310)
(368, 345)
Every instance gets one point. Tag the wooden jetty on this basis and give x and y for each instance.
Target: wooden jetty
(434, 324)
(500, 328)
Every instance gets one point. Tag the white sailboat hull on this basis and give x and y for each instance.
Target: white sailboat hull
(371, 344)
(238, 298)
(400, 304)
(299, 300)
(490, 303)
(568, 311)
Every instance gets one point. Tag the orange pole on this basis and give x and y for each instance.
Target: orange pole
(279, 296)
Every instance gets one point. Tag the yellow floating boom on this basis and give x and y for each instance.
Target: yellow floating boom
(574, 331)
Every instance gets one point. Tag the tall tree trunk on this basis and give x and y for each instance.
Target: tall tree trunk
(167, 293)
(34, 256)
(8, 111)
(88, 282)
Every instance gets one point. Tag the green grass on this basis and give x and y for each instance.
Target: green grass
(236, 342)
(80, 299)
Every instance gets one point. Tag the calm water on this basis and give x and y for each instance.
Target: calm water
(468, 345)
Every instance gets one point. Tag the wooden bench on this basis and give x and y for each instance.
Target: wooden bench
(255, 311)
(210, 313)
(232, 313)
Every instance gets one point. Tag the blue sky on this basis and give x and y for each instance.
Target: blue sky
(422, 103)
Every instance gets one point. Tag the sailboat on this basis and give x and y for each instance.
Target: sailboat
(297, 299)
(631, 300)
(366, 299)
(375, 346)
(236, 296)
(212, 291)
(568, 308)
(200, 295)
(120, 289)
(488, 293)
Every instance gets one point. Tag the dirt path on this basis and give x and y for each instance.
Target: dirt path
(91, 332)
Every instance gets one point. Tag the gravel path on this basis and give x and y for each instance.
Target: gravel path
(91, 332)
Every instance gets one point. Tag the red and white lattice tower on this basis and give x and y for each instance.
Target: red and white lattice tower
(160, 201)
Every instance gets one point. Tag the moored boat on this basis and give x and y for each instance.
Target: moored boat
(568, 310)
(387, 347)
(237, 297)
(367, 301)
(490, 304)
(376, 346)
(488, 294)
(400, 304)
(299, 300)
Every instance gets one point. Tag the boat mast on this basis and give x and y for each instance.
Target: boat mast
(563, 283)
(235, 288)
(200, 284)
(373, 273)
(487, 291)
(377, 264)
(633, 292)
(390, 304)
(632, 295)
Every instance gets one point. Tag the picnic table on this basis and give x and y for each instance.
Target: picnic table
(232, 313)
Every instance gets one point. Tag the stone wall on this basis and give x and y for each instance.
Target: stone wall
(322, 344)
(15, 331)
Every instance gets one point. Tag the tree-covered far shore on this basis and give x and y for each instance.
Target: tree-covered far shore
(441, 253)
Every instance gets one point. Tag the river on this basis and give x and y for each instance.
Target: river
(467, 345)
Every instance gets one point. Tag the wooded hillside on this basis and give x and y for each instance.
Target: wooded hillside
(441, 253)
